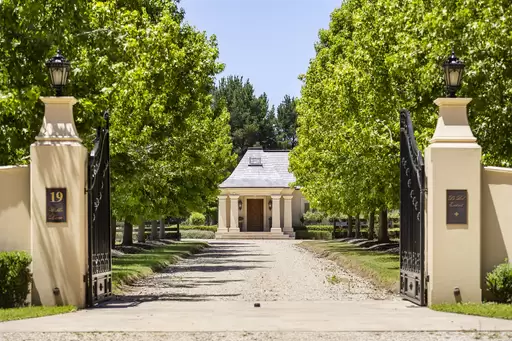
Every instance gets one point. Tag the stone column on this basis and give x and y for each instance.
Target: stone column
(58, 177)
(222, 221)
(233, 224)
(287, 226)
(452, 162)
(276, 214)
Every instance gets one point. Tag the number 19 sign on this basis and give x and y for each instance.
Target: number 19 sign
(56, 205)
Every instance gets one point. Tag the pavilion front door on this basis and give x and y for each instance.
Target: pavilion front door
(254, 215)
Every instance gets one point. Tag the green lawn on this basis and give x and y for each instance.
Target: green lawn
(30, 312)
(125, 270)
(503, 311)
(380, 268)
(131, 267)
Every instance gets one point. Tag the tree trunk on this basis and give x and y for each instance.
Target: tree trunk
(154, 229)
(383, 226)
(371, 226)
(113, 230)
(128, 234)
(358, 226)
(162, 228)
(141, 234)
(349, 226)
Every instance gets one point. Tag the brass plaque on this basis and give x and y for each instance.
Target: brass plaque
(457, 206)
(56, 203)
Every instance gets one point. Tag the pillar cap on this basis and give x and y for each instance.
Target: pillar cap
(452, 124)
(452, 102)
(59, 100)
(58, 122)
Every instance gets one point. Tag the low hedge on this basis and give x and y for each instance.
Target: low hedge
(212, 228)
(328, 228)
(315, 235)
(197, 234)
(15, 278)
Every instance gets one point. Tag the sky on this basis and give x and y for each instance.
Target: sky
(269, 42)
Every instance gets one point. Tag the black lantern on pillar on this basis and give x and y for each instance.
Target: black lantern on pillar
(270, 204)
(453, 71)
(240, 205)
(59, 67)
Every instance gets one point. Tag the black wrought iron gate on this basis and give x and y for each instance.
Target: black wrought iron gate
(412, 220)
(99, 276)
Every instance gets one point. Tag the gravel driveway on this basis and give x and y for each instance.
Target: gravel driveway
(259, 270)
(210, 297)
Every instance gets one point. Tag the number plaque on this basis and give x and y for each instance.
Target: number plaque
(56, 200)
(456, 206)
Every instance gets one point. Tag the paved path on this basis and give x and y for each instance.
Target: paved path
(211, 297)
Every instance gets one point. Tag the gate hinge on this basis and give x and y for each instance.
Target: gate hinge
(85, 278)
(427, 278)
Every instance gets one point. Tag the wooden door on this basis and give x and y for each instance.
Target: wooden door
(254, 215)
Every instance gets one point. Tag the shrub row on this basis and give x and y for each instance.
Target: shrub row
(212, 228)
(15, 278)
(197, 234)
(328, 228)
(315, 235)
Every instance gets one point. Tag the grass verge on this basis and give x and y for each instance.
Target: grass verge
(132, 267)
(125, 270)
(496, 310)
(381, 269)
(30, 312)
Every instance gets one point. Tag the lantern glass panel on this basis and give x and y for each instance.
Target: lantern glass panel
(59, 75)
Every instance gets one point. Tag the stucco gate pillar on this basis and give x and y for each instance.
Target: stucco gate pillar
(276, 214)
(233, 224)
(58, 208)
(287, 224)
(452, 167)
(222, 223)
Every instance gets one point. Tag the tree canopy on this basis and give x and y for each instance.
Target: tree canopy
(252, 120)
(378, 57)
(139, 60)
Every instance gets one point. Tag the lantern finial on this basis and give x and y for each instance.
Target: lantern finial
(59, 67)
(453, 71)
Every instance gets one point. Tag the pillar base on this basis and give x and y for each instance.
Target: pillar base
(276, 230)
(222, 229)
(287, 230)
(234, 229)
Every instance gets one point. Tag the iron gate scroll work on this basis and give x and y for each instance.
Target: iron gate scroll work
(412, 219)
(99, 277)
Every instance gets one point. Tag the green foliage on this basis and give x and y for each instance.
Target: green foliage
(378, 57)
(15, 278)
(153, 72)
(499, 282)
(337, 217)
(197, 234)
(196, 219)
(328, 228)
(311, 217)
(212, 228)
(251, 119)
(315, 235)
(33, 311)
(286, 124)
(488, 309)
